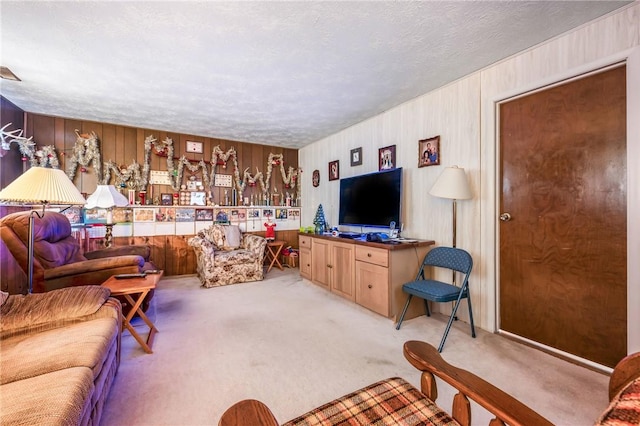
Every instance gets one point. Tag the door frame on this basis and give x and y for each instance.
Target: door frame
(490, 185)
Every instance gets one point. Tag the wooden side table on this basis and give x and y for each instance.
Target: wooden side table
(273, 254)
(134, 291)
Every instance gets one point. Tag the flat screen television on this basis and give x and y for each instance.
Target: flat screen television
(374, 199)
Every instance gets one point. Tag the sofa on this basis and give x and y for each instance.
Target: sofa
(225, 255)
(395, 401)
(59, 354)
(58, 258)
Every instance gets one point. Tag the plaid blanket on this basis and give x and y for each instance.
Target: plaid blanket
(389, 402)
(624, 408)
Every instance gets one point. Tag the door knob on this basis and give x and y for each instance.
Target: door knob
(505, 217)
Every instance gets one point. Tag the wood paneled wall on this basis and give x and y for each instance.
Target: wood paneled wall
(172, 253)
(11, 165)
(123, 145)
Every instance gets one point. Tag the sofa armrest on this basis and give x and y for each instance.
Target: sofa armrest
(248, 412)
(506, 408)
(255, 243)
(627, 370)
(41, 311)
(203, 245)
(88, 266)
(143, 251)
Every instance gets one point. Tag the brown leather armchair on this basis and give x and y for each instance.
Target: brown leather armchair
(58, 260)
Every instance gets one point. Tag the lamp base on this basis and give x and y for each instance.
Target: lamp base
(108, 236)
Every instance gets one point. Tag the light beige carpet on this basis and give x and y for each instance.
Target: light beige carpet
(294, 346)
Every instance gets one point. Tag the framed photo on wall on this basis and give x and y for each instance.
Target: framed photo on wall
(334, 170)
(429, 152)
(356, 157)
(387, 158)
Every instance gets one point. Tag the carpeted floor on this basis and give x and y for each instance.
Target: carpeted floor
(294, 346)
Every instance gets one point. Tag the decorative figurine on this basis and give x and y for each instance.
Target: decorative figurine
(271, 230)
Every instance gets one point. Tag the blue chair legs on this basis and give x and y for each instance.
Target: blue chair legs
(406, 306)
(452, 317)
(404, 311)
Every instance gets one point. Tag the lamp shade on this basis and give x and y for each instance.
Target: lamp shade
(105, 197)
(452, 184)
(43, 185)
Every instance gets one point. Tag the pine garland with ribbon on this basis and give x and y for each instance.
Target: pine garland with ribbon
(85, 151)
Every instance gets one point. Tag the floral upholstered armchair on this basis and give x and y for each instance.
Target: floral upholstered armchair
(227, 256)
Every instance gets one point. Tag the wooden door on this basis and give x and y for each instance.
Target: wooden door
(563, 250)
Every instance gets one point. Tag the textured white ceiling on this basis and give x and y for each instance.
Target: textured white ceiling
(276, 73)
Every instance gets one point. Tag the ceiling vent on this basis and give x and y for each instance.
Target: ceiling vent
(7, 74)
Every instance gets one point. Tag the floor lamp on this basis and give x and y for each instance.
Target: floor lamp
(41, 186)
(452, 184)
(107, 197)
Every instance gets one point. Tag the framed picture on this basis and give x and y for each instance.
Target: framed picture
(204, 215)
(222, 215)
(195, 147)
(356, 157)
(166, 214)
(198, 198)
(144, 215)
(185, 215)
(315, 179)
(95, 215)
(194, 185)
(387, 158)
(166, 199)
(122, 215)
(74, 214)
(429, 152)
(334, 170)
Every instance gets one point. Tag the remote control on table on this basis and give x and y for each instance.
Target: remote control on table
(125, 276)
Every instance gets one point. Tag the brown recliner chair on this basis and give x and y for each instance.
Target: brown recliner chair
(58, 261)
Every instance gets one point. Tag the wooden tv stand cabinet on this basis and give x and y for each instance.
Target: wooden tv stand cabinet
(367, 273)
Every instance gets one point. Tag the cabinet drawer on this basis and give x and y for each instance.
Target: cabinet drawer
(372, 287)
(372, 255)
(304, 242)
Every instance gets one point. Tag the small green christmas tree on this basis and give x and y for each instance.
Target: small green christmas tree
(319, 221)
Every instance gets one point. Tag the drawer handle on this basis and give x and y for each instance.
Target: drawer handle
(368, 254)
(370, 286)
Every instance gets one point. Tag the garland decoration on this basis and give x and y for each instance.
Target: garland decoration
(85, 151)
(45, 157)
(289, 179)
(193, 168)
(131, 176)
(136, 179)
(134, 176)
(221, 157)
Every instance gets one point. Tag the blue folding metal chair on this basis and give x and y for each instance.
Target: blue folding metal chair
(437, 291)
